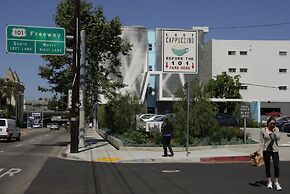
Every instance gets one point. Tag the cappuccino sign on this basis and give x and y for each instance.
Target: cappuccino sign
(180, 51)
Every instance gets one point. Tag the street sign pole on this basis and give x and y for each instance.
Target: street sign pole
(245, 113)
(186, 87)
(187, 121)
(245, 132)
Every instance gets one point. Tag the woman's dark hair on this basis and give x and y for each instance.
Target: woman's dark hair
(270, 119)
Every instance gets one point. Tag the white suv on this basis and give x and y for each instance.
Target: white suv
(8, 129)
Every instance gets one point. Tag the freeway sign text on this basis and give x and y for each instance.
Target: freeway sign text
(35, 40)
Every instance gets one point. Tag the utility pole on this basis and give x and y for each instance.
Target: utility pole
(82, 90)
(76, 80)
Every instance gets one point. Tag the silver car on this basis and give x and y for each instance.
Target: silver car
(54, 126)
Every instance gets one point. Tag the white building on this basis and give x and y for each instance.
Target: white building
(160, 62)
(264, 67)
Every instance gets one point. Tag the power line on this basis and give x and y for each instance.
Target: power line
(143, 28)
(249, 26)
(259, 85)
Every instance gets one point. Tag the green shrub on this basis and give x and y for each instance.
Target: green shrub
(224, 135)
(119, 113)
(135, 137)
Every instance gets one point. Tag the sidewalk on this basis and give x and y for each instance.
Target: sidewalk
(99, 150)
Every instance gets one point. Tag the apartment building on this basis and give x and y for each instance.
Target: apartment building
(163, 60)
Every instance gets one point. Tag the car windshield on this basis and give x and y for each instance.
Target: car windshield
(158, 118)
(146, 116)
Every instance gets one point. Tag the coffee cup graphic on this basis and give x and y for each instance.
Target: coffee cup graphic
(179, 51)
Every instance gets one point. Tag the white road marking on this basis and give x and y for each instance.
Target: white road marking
(10, 172)
(285, 145)
(170, 171)
(1, 151)
(19, 145)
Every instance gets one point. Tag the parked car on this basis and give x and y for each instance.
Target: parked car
(54, 126)
(154, 118)
(146, 116)
(227, 120)
(36, 126)
(8, 129)
(283, 123)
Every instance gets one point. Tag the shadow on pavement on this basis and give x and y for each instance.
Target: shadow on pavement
(92, 147)
(90, 141)
(259, 183)
(58, 144)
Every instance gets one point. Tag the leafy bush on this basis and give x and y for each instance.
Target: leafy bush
(134, 137)
(250, 123)
(119, 113)
(224, 135)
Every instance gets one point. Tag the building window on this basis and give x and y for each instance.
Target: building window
(232, 70)
(282, 70)
(150, 47)
(282, 87)
(244, 87)
(243, 52)
(243, 70)
(282, 53)
(231, 52)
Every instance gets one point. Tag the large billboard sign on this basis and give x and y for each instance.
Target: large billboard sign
(35, 40)
(180, 51)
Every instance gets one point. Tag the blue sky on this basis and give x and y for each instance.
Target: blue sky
(150, 14)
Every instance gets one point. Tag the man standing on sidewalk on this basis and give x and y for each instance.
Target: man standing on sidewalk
(166, 129)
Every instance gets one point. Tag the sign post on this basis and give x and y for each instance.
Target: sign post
(35, 40)
(245, 113)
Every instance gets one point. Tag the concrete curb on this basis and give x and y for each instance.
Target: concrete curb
(225, 159)
(117, 143)
(183, 149)
(64, 154)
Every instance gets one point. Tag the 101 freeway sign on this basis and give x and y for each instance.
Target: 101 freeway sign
(35, 40)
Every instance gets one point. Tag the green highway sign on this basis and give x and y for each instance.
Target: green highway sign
(35, 40)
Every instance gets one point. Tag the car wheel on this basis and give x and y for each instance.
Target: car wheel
(18, 138)
(9, 137)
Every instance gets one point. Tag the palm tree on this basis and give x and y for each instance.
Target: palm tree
(7, 90)
(1, 94)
